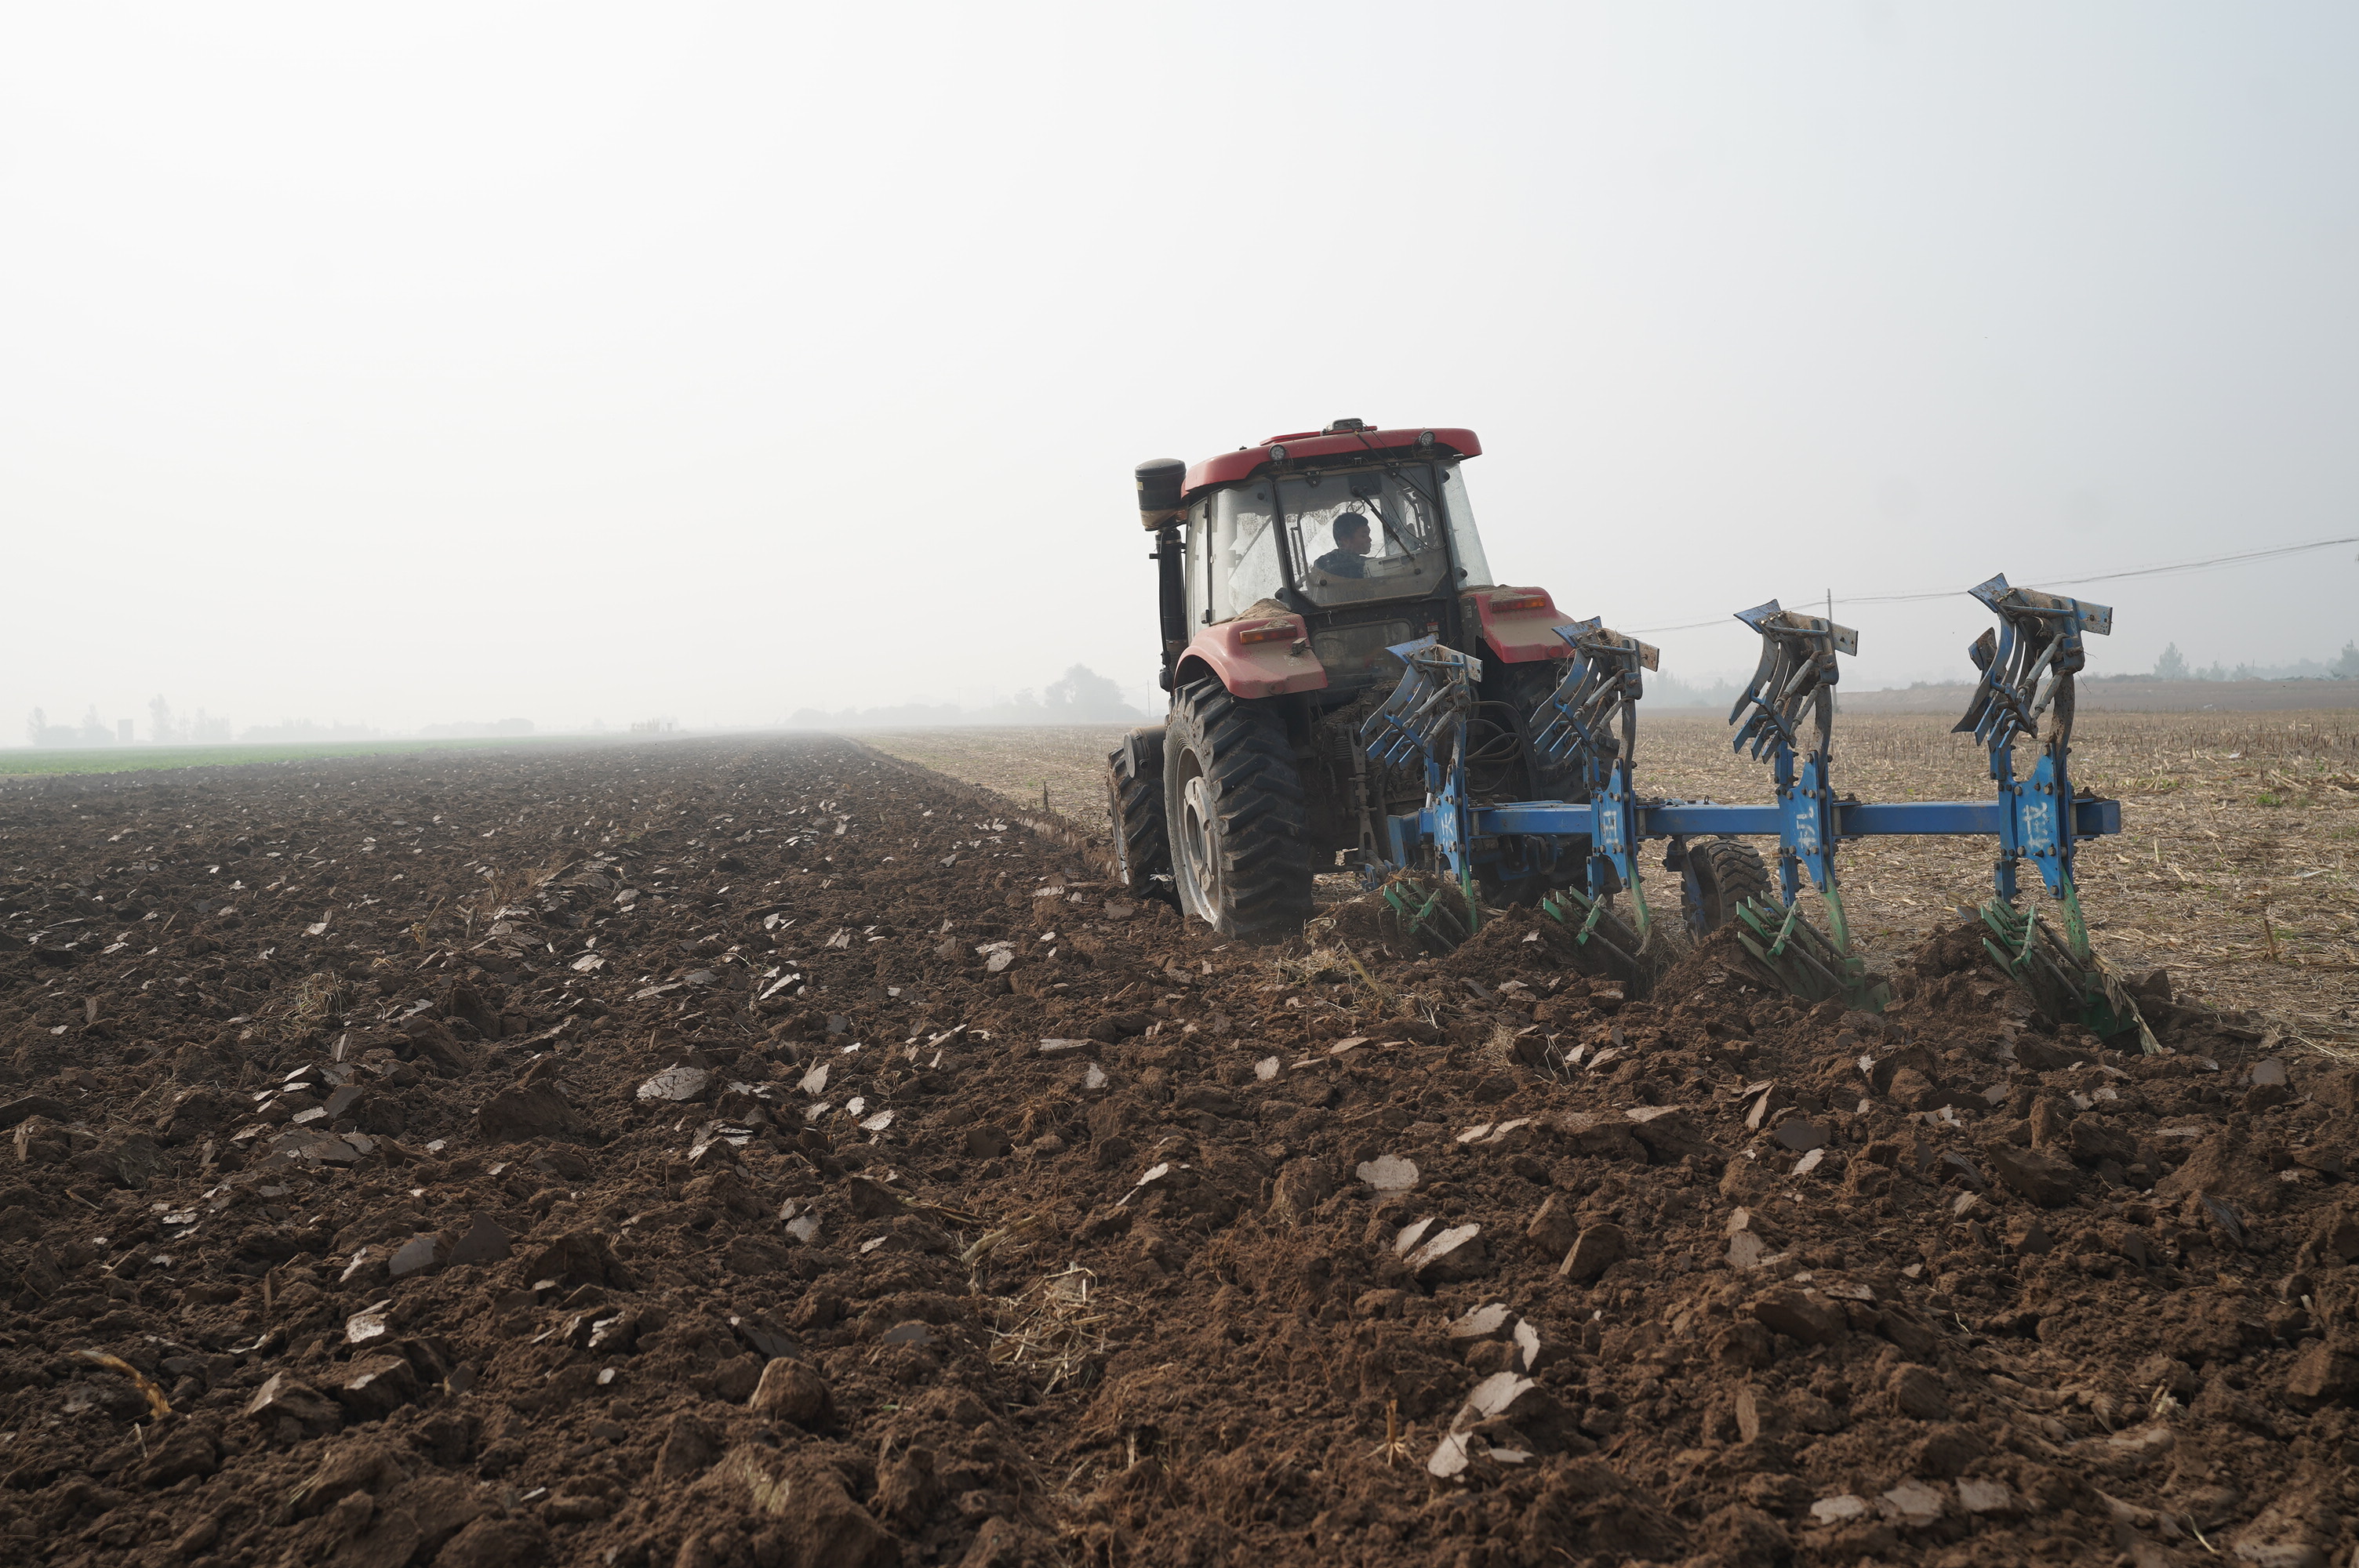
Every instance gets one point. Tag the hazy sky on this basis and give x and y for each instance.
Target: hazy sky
(426, 362)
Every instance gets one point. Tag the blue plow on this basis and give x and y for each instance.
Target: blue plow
(1587, 850)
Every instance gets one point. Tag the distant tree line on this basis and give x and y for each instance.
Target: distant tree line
(479, 732)
(165, 728)
(1081, 695)
(92, 732)
(2173, 665)
(1669, 691)
(290, 731)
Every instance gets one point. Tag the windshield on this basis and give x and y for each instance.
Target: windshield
(1365, 535)
(1473, 569)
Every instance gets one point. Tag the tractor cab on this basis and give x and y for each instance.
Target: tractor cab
(1349, 536)
(1289, 572)
(1359, 538)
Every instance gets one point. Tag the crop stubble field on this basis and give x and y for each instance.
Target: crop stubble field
(763, 1151)
(2234, 871)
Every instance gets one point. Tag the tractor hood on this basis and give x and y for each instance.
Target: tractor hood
(1518, 624)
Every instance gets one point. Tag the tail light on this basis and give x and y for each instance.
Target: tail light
(1503, 602)
(1274, 631)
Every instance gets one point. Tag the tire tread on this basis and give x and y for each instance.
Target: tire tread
(1735, 872)
(1134, 812)
(1260, 797)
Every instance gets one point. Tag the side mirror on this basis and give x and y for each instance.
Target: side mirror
(1160, 482)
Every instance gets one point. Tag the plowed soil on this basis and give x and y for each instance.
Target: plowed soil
(773, 1152)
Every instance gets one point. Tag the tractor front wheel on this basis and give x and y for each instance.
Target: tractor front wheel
(1234, 800)
(1142, 848)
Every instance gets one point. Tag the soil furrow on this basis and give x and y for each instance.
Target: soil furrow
(771, 1152)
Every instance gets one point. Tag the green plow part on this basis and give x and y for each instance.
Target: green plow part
(1794, 953)
(2067, 986)
(1568, 906)
(1428, 917)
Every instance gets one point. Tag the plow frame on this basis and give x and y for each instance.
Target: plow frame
(1785, 718)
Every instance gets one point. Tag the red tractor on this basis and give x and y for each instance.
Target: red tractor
(1287, 570)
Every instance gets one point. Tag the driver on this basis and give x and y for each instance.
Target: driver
(1348, 559)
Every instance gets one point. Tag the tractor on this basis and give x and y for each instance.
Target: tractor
(1350, 687)
(1291, 573)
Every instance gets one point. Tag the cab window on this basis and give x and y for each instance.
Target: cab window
(1365, 535)
(1245, 563)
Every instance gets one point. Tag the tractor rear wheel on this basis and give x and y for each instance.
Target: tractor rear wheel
(1142, 844)
(1721, 873)
(1528, 686)
(1234, 800)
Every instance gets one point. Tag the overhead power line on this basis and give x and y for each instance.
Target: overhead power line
(2171, 570)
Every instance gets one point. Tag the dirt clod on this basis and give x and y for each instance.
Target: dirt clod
(791, 1390)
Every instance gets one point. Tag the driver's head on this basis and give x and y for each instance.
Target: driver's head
(1351, 533)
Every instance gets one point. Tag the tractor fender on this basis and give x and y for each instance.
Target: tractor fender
(1276, 660)
(1514, 628)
